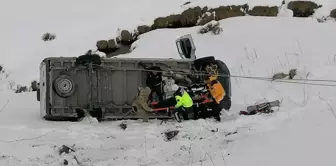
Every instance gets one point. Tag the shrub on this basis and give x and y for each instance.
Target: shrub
(20, 89)
(264, 11)
(48, 37)
(333, 13)
(303, 8)
(34, 85)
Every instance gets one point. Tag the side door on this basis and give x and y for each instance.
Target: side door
(186, 47)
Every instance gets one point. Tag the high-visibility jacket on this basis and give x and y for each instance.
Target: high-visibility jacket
(216, 90)
(185, 100)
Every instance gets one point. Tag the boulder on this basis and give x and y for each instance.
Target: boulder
(224, 12)
(107, 46)
(112, 44)
(264, 11)
(333, 13)
(126, 37)
(190, 16)
(171, 21)
(206, 18)
(303, 8)
(102, 45)
(143, 29)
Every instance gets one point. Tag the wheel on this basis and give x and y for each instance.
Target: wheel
(64, 86)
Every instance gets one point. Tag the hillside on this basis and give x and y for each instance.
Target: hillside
(80, 25)
(301, 132)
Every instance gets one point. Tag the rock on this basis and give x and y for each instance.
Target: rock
(190, 16)
(303, 8)
(224, 12)
(126, 37)
(279, 76)
(107, 46)
(206, 17)
(102, 45)
(171, 21)
(160, 22)
(264, 11)
(143, 29)
(112, 44)
(205, 9)
(333, 13)
(292, 73)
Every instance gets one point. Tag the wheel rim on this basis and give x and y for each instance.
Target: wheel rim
(65, 86)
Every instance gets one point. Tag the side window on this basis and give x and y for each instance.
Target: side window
(185, 47)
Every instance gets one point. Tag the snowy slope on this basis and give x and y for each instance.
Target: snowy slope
(79, 24)
(300, 133)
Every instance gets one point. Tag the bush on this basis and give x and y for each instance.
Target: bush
(20, 89)
(303, 8)
(333, 13)
(34, 86)
(264, 11)
(224, 12)
(48, 37)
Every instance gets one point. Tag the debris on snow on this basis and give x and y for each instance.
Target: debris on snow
(171, 134)
(123, 125)
(65, 149)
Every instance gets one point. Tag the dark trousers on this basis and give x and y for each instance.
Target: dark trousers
(184, 112)
(215, 110)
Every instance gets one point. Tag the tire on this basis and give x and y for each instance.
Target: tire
(64, 86)
(222, 69)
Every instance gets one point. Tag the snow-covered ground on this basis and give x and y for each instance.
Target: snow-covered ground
(301, 132)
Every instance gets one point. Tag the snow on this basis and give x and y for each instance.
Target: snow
(301, 132)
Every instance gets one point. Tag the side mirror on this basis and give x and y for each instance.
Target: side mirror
(186, 47)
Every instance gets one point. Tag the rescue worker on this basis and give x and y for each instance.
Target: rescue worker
(216, 91)
(154, 80)
(184, 104)
(140, 104)
(168, 84)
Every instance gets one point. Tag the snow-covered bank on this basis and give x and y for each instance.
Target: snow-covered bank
(79, 24)
(300, 133)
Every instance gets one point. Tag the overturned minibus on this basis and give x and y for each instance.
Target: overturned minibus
(106, 87)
